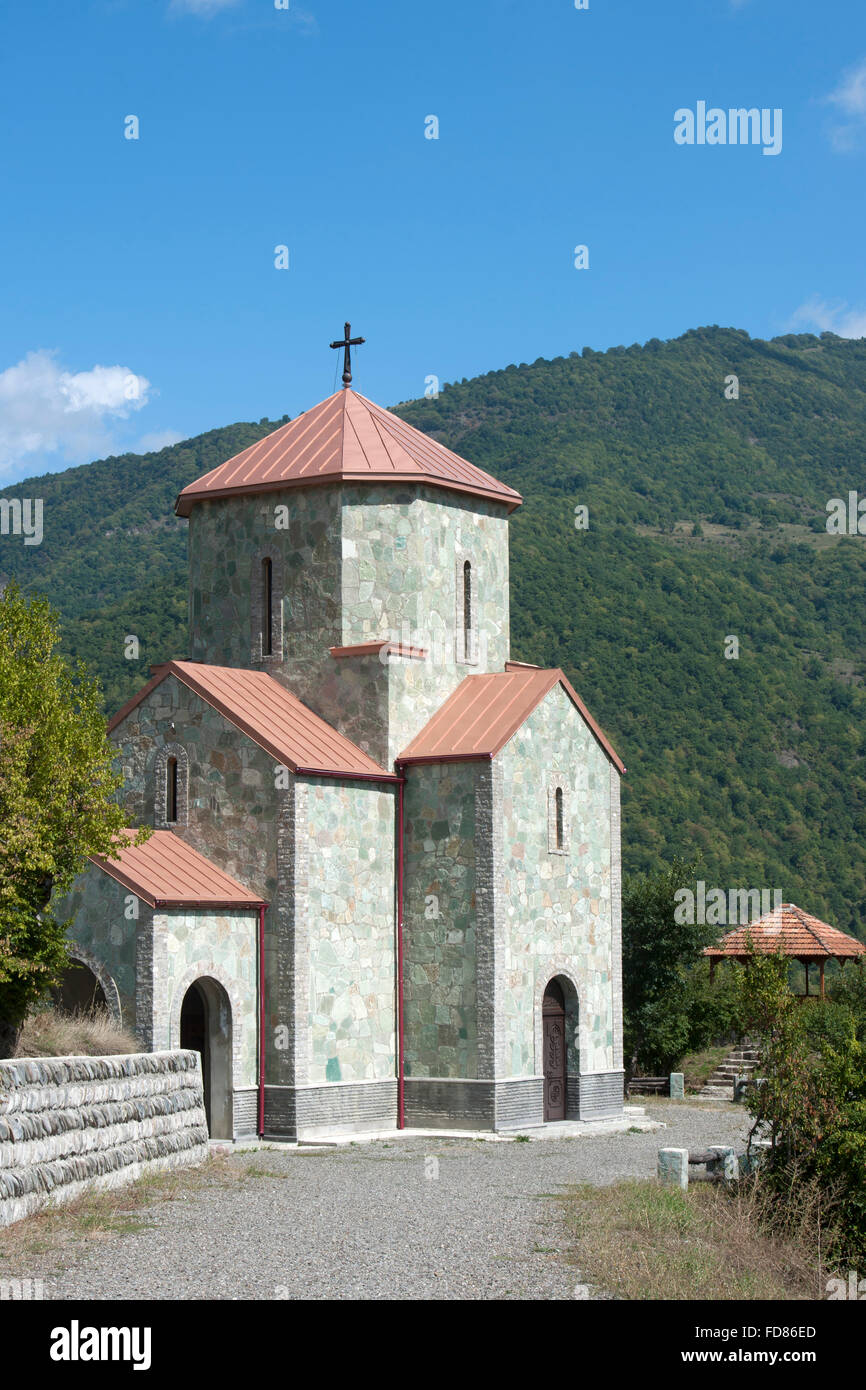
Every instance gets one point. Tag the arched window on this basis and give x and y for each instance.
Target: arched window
(171, 790)
(267, 606)
(558, 828)
(171, 786)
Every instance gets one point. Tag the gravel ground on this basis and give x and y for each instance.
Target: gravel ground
(364, 1221)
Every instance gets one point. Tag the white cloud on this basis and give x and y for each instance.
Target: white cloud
(46, 410)
(202, 7)
(152, 443)
(837, 318)
(849, 97)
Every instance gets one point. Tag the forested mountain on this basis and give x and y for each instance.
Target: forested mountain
(706, 522)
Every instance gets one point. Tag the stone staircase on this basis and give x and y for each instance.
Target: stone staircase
(740, 1061)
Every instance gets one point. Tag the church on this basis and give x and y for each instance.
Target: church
(383, 884)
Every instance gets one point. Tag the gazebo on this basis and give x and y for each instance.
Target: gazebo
(797, 934)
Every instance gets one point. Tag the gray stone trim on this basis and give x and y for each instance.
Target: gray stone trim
(287, 953)
(268, 550)
(109, 988)
(160, 790)
(151, 980)
(312, 1112)
(616, 915)
(443, 1102)
(600, 1095)
(490, 923)
(557, 781)
(519, 1104)
(246, 1111)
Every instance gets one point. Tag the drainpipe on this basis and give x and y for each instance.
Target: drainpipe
(261, 1123)
(401, 1100)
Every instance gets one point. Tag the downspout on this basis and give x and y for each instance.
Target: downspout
(261, 1124)
(401, 1098)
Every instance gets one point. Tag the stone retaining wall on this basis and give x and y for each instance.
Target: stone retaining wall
(70, 1125)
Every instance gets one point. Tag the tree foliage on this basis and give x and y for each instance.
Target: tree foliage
(56, 783)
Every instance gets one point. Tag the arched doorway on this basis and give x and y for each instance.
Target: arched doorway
(554, 1054)
(206, 1028)
(79, 991)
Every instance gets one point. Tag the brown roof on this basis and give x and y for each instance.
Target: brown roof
(167, 872)
(348, 438)
(268, 714)
(385, 645)
(486, 711)
(795, 931)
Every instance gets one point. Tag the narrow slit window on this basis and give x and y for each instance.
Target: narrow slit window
(560, 821)
(467, 610)
(267, 606)
(171, 790)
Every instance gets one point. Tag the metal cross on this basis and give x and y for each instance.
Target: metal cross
(347, 342)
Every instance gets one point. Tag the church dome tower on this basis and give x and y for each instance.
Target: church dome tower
(357, 561)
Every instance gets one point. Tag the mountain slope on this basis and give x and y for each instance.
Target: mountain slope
(706, 522)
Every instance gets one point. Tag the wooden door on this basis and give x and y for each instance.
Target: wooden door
(553, 1022)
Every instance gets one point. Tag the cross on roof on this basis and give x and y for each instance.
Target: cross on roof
(347, 342)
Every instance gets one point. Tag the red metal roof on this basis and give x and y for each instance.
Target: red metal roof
(167, 872)
(270, 715)
(486, 711)
(345, 437)
(797, 933)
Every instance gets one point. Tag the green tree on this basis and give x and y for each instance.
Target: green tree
(656, 953)
(56, 785)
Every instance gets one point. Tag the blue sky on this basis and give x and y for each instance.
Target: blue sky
(141, 302)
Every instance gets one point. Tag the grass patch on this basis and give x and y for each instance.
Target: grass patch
(637, 1240)
(698, 1067)
(58, 1235)
(50, 1032)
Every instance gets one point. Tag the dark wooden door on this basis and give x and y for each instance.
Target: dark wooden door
(553, 1022)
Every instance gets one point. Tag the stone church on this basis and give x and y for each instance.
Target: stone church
(383, 884)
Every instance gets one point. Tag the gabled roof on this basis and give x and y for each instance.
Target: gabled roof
(795, 932)
(486, 711)
(167, 872)
(268, 714)
(345, 438)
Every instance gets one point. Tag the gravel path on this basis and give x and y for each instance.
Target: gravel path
(365, 1222)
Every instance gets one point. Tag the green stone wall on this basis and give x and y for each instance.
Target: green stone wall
(232, 791)
(441, 1026)
(351, 931)
(558, 906)
(356, 564)
(223, 946)
(99, 906)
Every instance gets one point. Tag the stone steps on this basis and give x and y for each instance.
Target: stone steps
(740, 1061)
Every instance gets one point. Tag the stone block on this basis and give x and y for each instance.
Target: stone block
(673, 1168)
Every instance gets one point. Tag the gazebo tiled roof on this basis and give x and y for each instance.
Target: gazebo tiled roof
(797, 933)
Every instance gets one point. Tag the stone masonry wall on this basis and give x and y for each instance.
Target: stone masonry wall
(70, 1125)
(441, 1016)
(557, 905)
(350, 931)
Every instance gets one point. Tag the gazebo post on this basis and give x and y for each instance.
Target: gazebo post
(712, 968)
(822, 979)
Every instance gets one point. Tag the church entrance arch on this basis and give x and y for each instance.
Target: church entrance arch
(206, 1028)
(554, 1054)
(79, 991)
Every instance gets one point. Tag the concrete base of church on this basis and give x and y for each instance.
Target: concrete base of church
(338, 1107)
(294, 1113)
(454, 1103)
